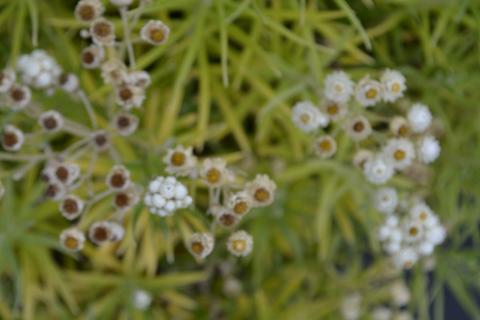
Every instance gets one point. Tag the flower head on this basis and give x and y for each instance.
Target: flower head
(155, 32)
(419, 117)
(7, 79)
(200, 245)
(165, 195)
(72, 239)
(18, 97)
(71, 207)
(358, 128)
(338, 87)
(428, 149)
(103, 32)
(325, 146)
(386, 200)
(261, 190)
(92, 56)
(378, 169)
(400, 152)
(125, 124)
(12, 138)
(88, 10)
(368, 92)
(118, 178)
(240, 243)
(307, 117)
(393, 84)
(215, 172)
(51, 121)
(180, 161)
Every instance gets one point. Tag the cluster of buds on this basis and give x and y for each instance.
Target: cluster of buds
(229, 200)
(406, 146)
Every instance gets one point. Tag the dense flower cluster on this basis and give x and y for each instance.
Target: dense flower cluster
(404, 147)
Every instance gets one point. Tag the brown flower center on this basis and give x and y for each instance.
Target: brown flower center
(100, 140)
(403, 130)
(178, 158)
(240, 207)
(399, 155)
(123, 122)
(197, 247)
(70, 206)
(261, 195)
(332, 109)
(325, 145)
(10, 139)
(102, 29)
(17, 94)
(71, 243)
(101, 234)
(358, 126)
(62, 173)
(86, 12)
(118, 180)
(50, 123)
(125, 94)
(51, 191)
(88, 57)
(413, 231)
(214, 175)
(227, 219)
(122, 200)
(157, 35)
(371, 93)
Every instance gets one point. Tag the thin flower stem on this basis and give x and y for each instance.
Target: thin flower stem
(88, 107)
(21, 157)
(127, 34)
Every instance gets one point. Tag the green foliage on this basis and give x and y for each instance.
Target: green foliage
(224, 83)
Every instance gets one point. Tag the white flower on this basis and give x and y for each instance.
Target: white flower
(51, 121)
(358, 128)
(351, 306)
(55, 191)
(68, 82)
(114, 72)
(103, 32)
(419, 117)
(261, 190)
(118, 178)
(129, 96)
(71, 207)
(307, 117)
(63, 173)
(200, 245)
(240, 243)
(88, 10)
(125, 124)
(405, 258)
(361, 157)
(393, 84)
(165, 195)
(368, 92)
(38, 69)
(423, 214)
(224, 216)
(338, 87)
(12, 138)
(240, 203)
(181, 161)
(386, 200)
(18, 97)
(139, 78)
(155, 32)
(125, 199)
(335, 110)
(105, 231)
(141, 299)
(378, 169)
(428, 149)
(72, 239)
(92, 56)
(325, 146)
(436, 235)
(121, 3)
(215, 173)
(400, 293)
(399, 126)
(7, 79)
(400, 152)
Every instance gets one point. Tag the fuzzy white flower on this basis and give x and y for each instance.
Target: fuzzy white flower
(180, 161)
(399, 126)
(381, 313)
(129, 96)
(215, 172)
(200, 245)
(114, 72)
(422, 213)
(141, 299)
(7, 79)
(155, 32)
(51, 121)
(139, 78)
(405, 258)
(368, 92)
(92, 56)
(125, 124)
(68, 82)
(386, 200)
(393, 84)
(71, 207)
(118, 178)
(358, 128)
(12, 138)
(102, 32)
(419, 117)
(325, 146)
(39, 70)
(239, 203)
(307, 117)
(72, 239)
(18, 97)
(261, 190)
(400, 152)
(165, 195)
(428, 149)
(436, 235)
(240, 243)
(338, 87)
(88, 10)
(335, 111)
(63, 173)
(378, 169)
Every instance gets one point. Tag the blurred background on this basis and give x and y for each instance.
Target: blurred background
(225, 83)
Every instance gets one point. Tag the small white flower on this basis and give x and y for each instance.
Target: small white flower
(338, 87)
(92, 56)
(118, 178)
(51, 121)
(386, 200)
(63, 173)
(141, 299)
(100, 140)
(335, 111)
(423, 214)
(240, 203)
(361, 157)
(18, 97)
(7, 79)
(180, 161)
(428, 149)
(200, 245)
(88, 10)
(12, 138)
(103, 32)
(351, 306)
(325, 146)
(393, 84)
(129, 96)
(426, 248)
(400, 293)
(68, 82)
(399, 126)
(121, 3)
(405, 258)
(118, 232)
(378, 169)
(261, 190)
(413, 231)
(368, 92)
(240, 243)
(400, 152)
(102, 232)
(72, 239)
(139, 79)
(436, 235)
(358, 128)
(419, 117)
(114, 72)
(224, 216)
(215, 173)
(125, 124)
(307, 117)
(165, 195)
(71, 207)
(155, 32)
(55, 191)
(125, 199)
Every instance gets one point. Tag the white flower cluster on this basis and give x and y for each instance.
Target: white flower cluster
(407, 236)
(39, 70)
(165, 195)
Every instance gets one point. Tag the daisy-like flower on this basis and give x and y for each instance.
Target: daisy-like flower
(405, 258)
(155, 32)
(101, 232)
(18, 96)
(55, 191)
(399, 126)
(7, 79)
(141, 299)
(307, 117)
(180, 161)
(393, 85)
(72, 239)
(64, 173)
(129, 96)
(413, 231)
(68, 82)
(386, 200)
(51, 121)
(361, 157)
(239, 203)
(400, 152)
(103, 32)
(165, 195)
(419, 117)
(214, 172)
(12, 138)
(118, 232)
(325, 146)
(92, 56)
(39, 69)
(139, 78)
(428, 149)
(358, 128)
(422, 213)
(334, 110)
(240, 243)
(224, 216)
(125, 124)
(121, 3)
(118, 178)
(261, 190)
(338, 87)
(71, 207)
(88, 10)
(368, 92)
(378, 169)
(436, 234)
(200, 245)
(100, 140)
(114, 72)
(125, 199)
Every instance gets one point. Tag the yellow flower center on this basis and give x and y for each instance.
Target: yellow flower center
(261, 195)
(371, 93)
(403, 130)
(214, 175)
(197, 247)
(178, 158)
(338, 87)
(332, 109)
(325, 145)
(399, 155)
(413, 231)
(240, 207)
(157, 35)
(396, 87)
(239, 245)
(305, 118)
(71, 243)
